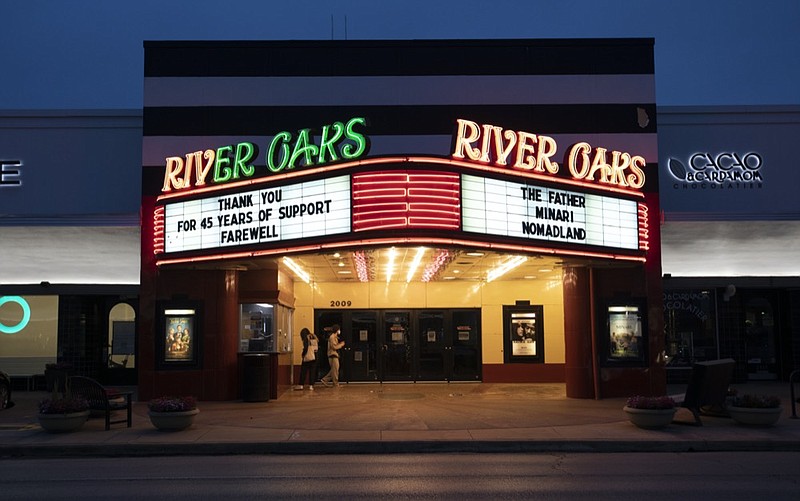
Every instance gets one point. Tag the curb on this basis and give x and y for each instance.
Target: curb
(399, 447)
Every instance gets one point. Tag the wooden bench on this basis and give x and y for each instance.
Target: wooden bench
(707, 387)
(101, 400)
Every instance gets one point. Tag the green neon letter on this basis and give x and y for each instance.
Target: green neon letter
(280, 138)
(304, 147)
(244, 153)
(222, 169)
(327, 143)
(361, 142)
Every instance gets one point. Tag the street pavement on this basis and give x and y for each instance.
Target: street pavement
(399, 418)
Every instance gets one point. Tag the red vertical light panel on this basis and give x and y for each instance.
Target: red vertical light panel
(644, 229)
(406, 199)
(158, 230)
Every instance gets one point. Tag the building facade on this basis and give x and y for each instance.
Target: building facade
(77, 185)
(462, 210)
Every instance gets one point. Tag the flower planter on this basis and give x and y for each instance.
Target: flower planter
(173, 421)
(650, 419)
(62, 423)
(752, 416)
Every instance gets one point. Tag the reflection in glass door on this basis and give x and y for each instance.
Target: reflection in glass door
(397, 353)
(362, 346)
(466, 345)
(435, 350)
(760, 339)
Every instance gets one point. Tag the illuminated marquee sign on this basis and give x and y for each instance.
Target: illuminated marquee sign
(495, 207)
(339, 140)
(490, 144)
(303, 210)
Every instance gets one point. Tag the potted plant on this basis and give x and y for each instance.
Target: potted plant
(756, 410)
(56, 374)
(650, 412)
(63, 413)
(172, 413)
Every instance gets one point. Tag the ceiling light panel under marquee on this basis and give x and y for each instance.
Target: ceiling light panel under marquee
(435, 264)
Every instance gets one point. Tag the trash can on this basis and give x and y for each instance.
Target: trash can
(255, 377)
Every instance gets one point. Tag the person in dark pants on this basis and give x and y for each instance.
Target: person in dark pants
(308, 370)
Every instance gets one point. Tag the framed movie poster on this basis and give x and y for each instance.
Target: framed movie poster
(624, 340)
(177, 337)
(523, 333)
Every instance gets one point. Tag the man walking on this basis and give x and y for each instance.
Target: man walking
(334, 345)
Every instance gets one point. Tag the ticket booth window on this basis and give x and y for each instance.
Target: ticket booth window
(257, 327)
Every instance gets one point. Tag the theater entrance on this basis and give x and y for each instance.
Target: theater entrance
(404, 345)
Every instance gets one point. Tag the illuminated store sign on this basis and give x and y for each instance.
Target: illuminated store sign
(496, 207)
(9, 173)
(286, 150)
(494, 145)
(723, 171)
(11, 327)
(303, 210)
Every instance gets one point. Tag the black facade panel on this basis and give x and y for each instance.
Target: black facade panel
(400, 58)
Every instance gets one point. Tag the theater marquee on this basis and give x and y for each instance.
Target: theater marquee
(495, 181)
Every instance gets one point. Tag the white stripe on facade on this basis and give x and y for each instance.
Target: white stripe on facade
(398, 90)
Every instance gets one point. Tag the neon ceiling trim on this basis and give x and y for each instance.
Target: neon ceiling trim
(401, 241)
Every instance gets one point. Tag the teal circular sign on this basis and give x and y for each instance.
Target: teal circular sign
(26, 314)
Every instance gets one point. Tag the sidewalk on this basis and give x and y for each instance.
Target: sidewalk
(374, 418)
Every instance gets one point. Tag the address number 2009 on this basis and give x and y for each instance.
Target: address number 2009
(340, 304)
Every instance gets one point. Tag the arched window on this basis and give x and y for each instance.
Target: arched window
(122, 337)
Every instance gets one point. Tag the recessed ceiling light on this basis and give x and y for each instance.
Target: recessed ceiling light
(449, 278)
(336, 255)
(529, 277)
(474, 254)
(456, 271)
(341, 264)
(545, 270)
(344, 272)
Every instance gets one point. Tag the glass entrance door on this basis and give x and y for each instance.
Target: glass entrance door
(435, 359)
(403, 345)
(465, 330)
(397, 352)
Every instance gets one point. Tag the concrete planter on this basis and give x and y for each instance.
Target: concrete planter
(62, 423)
(650, 419)
(173, 421)
(751, 416)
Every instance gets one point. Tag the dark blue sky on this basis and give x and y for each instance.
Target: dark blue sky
(88, 53)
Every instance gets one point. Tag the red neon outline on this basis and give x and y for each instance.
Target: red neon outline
(401, 241)
(644, 227)
(398, 159)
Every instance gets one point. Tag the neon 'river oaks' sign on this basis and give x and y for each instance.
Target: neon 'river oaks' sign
(521, 150)
(482, 143)
(286, 150)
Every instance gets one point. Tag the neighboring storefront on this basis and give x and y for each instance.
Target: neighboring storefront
(69, 236)
(731, 229)
(463, 210)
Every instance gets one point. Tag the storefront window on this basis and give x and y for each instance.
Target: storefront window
(690, 329)
(256, 327)
(121, 337)
(28, 333)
